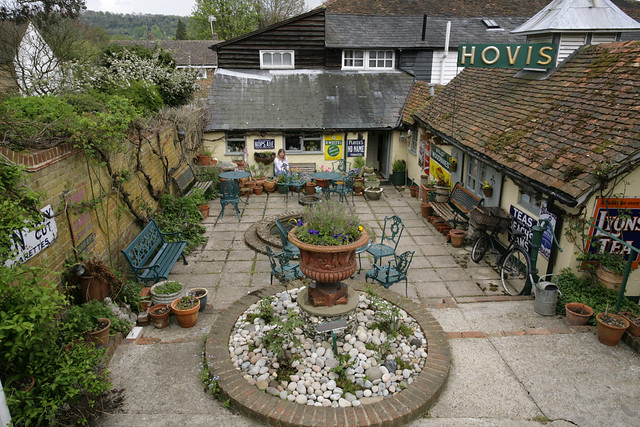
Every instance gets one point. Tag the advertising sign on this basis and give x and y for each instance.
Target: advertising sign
(26, 244)
(522, 55)
(80, 222)
(522, 222)
(355, 147)
(439, 173)
(440, 156)
(264, 144)
(425, 152)
(547, 236)
(620, 217)
(333, 147)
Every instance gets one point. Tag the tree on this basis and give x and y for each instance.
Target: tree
(232, 18)
(24, 10)
(273, 11)
(181, 31)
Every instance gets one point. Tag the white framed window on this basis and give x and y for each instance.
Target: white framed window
(475, 175)
(236, 143)
(277, 59)
(368, 59)
(413, 145)
(530, 200)
(308, 143)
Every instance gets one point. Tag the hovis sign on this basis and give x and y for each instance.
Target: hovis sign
(536, 55)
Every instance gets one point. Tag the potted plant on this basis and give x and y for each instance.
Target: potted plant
(358, 163)
(310, 187)
(373, 193)
(201, 294)
(283, 187)
(88, 320)
(634, 322)
(269, 185)
(159, 315)
(264, 157)
(453, 164)
(165, 292)
(205, 158)
(97, 280)
(186, 310)
(399, 168)
(442, 190)
(610, 271)
(200, 201)
(578, 314)
(610, 327)
(457, 238)
(487, 189)
(414, 189)
(358, 188)
(257, 189)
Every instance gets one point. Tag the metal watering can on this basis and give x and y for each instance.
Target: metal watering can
(546, 293)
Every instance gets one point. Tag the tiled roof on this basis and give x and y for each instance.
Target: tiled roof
(461, 8)
(305, 99)
(553, 131)
(405, 31)
(185, 52)
(417, 100)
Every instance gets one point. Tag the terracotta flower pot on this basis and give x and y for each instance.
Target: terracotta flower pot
(159, 315)
(311, 188)
(204, 210)
(608, 278)
(414, 189)
(488, 192)
(204, 159)
(610, 334)
(457, 238)
(427, 210)
(186, 318)
(257, 190)
(578, 314)
(269, 186)
(634, 323)
(101, 336)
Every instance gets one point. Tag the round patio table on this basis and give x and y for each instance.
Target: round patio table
(328, 176)
(234, 175)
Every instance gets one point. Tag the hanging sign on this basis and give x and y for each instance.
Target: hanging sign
(355, 147)
(25, 244)
(523, 223)
(264, 144)
(620, 217)
(333, 147)
(523, 55)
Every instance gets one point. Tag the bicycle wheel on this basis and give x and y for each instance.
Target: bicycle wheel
(480, 248)
(515, 271)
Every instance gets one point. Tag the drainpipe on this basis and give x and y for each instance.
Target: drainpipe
(446, 51)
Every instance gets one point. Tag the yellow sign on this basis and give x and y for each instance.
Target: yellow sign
(333, 147)
(439, 173)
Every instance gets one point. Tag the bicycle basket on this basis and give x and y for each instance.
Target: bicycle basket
(489, 217)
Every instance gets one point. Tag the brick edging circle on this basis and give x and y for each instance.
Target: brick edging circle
(399, 409)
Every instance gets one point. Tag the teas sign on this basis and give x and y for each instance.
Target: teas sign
(25, 244)
(532, 55)
(620, 217)
(523, 223)
(355, 148)
(264, 144)
(333, 147)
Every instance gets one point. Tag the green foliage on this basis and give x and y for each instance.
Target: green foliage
(181, 30)
(186, 302)
(329, 224)
(83, 318)
(233, 18)
(265, 311)
(586, 292)
(613, 262)
(167, 288)
(342, 379)
(388, 318)
(278, 338)
(134, 26)
(181, 214)
(145, 97)
(358, 162)
(130, 295)
(399, 165)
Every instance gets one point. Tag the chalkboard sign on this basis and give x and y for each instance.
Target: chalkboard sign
(355, 148)
(264, 144)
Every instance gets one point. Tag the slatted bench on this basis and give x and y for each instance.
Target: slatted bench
(303, 168)
(186, 179)
(455, 211)
(151, 256)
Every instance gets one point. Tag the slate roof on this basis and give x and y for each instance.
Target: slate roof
(405, 31)
(553, 131)
(461, 8)
(186, 52)
(305, 100)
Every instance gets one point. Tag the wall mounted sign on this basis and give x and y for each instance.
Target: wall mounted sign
(425, 151)
(440, 156)
(523, 55)
(547, 236)
(620, 217)
(522, 222)
(355, 147)
(333, 147)
(25, 244)
(264, 144)
(80, 222)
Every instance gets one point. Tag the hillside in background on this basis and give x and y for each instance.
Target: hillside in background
(135, 27)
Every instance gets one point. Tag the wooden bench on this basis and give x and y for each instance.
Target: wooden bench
(188, 181)
(456, 209)
(151, 256)
(303, 168)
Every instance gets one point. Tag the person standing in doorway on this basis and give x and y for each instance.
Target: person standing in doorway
(281, 163)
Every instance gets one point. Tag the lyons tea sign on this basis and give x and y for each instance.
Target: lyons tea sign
(524, 55)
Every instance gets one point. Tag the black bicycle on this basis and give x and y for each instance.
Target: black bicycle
(514, 261)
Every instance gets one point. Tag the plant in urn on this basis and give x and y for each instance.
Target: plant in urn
(328, 235)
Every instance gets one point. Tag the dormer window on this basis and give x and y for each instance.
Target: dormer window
(277, 59)
(368, 59)
(491, 24)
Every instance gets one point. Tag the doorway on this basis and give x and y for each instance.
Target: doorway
(379, 152)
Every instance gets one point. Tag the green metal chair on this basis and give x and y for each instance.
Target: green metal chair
(390, 239)
(290, 251)
(281, 269)
(229, 193)
(343, 188)
(395, 271)
(340, 166)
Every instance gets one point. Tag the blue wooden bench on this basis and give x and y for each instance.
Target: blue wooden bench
(151, 256)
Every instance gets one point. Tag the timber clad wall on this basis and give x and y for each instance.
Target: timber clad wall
(305, 36)
(59, 170)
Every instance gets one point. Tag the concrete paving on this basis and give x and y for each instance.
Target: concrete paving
(509, 367)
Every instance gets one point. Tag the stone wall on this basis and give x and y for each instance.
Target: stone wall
(66, 175)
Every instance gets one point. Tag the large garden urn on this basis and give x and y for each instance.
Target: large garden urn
(328, 265)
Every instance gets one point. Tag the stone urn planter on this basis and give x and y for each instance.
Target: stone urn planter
(165, 292)
(373, 193)
(578, 314)
(442, 193)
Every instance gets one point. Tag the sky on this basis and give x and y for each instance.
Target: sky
(160, 7)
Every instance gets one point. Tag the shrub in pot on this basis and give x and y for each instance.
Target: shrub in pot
(186, 310)
(165, 292)
(610, 271)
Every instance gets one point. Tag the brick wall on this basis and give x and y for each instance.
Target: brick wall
(58, 171)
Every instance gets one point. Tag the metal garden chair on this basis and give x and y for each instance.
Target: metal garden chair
(390, 239)
(290, 251)
(343, 188)
(340, 166)
(281, 269)
(229, 193)
(395, 271)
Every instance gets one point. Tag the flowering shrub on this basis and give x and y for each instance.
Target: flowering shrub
(486, 186)
(328, 224)
(324, 168)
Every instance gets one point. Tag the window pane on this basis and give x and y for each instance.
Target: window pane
(292, 142)
(266, 59)
(286, 59)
